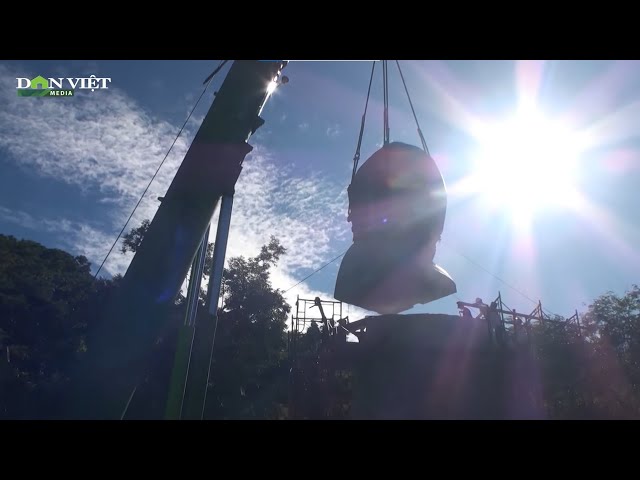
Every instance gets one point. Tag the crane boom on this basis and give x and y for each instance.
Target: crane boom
(119, 348)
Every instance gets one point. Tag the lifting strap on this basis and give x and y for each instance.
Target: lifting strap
(356, 157)
(415, 117)
(385, 88)
(386, 130)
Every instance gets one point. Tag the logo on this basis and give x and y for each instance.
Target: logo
(59, 87)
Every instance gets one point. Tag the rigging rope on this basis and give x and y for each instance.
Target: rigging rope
(207, 82)
(385, 88)
(415, 117)
(386, 128)
(356, 157)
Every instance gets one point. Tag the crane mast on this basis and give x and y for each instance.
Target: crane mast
(119, 349)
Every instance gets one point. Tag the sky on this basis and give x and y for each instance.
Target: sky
(541, 161)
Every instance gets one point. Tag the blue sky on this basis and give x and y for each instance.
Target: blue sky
(71, 169)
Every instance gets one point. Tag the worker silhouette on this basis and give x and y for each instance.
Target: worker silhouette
(495, 324)
(520, 331)
(465, 313)
(482, 307)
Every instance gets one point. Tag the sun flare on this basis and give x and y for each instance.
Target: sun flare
(526, 162)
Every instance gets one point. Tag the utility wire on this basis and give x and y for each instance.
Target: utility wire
(207, 83)
(313, 273)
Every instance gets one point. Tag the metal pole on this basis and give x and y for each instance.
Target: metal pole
(181, 364)
(196, 279)
(219, 253)
(205, 334)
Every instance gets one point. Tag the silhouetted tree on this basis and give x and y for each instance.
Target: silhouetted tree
(49, 302)
(132, 240)
(249, 369)
(321, 382)
(45, 295)
(614, 366)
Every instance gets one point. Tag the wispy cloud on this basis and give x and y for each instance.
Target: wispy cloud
(333, 130)
(303, 127)
(103, 143)
(111, 146)
(19, 218)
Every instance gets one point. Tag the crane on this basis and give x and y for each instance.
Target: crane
(119, 348)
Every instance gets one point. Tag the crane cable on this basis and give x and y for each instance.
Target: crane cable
(207, 82)
(356, 157)
(415, 117)
(386, 129)
(385, 89)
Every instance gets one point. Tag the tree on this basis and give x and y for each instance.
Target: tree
(46, 297)
(593, 373)
(49, 302)
(560, 354)
(249, 369)
(132, 240)
(614, 366)
(321, 386)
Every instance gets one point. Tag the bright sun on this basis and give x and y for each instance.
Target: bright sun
(526, 163)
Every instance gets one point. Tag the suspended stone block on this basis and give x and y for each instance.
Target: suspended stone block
(397, 208)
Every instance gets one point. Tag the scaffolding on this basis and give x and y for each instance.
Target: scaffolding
(512, 323)
(328, 314)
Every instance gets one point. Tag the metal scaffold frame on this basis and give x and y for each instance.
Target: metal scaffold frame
(511, 320)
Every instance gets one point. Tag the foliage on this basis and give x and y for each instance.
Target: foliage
(249, 363)
(46, 296)
(49, 302)
(595, 373)
(132, 240)
(321, 387)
